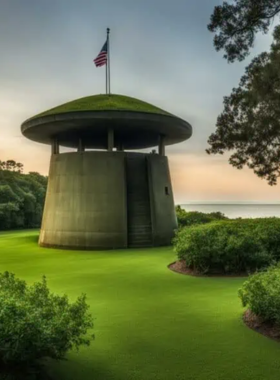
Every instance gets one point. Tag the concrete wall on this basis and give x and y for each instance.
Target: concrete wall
(163, 214)
(99, 199)
(86, 201)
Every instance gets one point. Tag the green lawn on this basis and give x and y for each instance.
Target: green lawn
(150, 323)
(103, 102)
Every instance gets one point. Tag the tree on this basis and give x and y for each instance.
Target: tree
(19, 167)
(9, 216)
(2, 165)
(22, 197)
(7, 194)
(235, 25)
(250, 122)
(11, 165)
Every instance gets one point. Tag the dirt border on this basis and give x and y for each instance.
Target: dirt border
(255, 323)
(180, 267)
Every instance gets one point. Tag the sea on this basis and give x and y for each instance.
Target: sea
(235, 210)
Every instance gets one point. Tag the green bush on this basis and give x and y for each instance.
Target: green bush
(194, 217)
(35, 323)
(261, 294)
(268, 229)
(232, 246)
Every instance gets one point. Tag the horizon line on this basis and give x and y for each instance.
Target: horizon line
(228, 203)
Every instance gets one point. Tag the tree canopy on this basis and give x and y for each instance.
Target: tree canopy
(250, 122)
(235, 25)
(11, 165)
(21, 196)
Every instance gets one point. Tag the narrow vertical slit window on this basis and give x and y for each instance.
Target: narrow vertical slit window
(166, 190)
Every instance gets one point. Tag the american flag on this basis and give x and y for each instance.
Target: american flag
(101, 59)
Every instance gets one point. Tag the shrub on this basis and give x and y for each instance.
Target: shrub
(231, 246)
(194, 217)
(35, 323)
(261, 294)
(268, 229)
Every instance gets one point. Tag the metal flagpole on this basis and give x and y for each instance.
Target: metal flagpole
(108, 85)
(106, 78)
(107, 66)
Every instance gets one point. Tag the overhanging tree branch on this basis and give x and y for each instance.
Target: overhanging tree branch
(235, 25)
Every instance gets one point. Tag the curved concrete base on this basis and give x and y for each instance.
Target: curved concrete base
(108, 200)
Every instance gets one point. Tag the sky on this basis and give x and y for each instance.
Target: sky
(161, 52)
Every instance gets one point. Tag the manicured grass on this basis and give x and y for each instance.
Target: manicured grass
(104, 103)
(150, 323)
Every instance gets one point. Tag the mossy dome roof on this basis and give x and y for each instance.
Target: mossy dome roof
(104, 103)
(136, 124)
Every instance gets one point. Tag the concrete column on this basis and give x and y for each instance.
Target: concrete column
(81, 147)
(161, 146)
(110, 139)
(120, 147)
(55, 146)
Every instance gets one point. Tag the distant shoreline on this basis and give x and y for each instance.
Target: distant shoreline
(227, 204)
(236, 210)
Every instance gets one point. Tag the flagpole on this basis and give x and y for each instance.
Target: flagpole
(108, 85)
(106, 78)
(107, 66)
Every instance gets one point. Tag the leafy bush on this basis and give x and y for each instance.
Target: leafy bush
(194, 217)
(35, 323)
(261, 294)
(232, 246)
(268, 229)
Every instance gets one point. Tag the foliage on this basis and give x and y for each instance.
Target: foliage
(230, 246)
(36, 324)
(235, 25)
(261, 294)
(194, 217)
(9, 215)
(11, 165)
(22, 196)
(250, 122)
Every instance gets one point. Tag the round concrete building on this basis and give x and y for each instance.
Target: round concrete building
(102, 195)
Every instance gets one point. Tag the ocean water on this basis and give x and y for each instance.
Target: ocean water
(237, 210)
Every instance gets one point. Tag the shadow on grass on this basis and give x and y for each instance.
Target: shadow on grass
(34, 239)
(85, 370)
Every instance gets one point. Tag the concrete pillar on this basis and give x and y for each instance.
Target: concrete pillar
(110, 139)
(81, 147)
(161, 146)
(55, 146)
(120, 147)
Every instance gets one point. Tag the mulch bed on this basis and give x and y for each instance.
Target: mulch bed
(180, 267)
(255, 323)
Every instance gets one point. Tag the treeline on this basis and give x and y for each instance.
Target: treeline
(22, 196)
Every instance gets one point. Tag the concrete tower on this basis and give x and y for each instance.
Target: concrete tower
(107, 197)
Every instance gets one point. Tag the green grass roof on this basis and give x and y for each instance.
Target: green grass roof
(104, 103)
